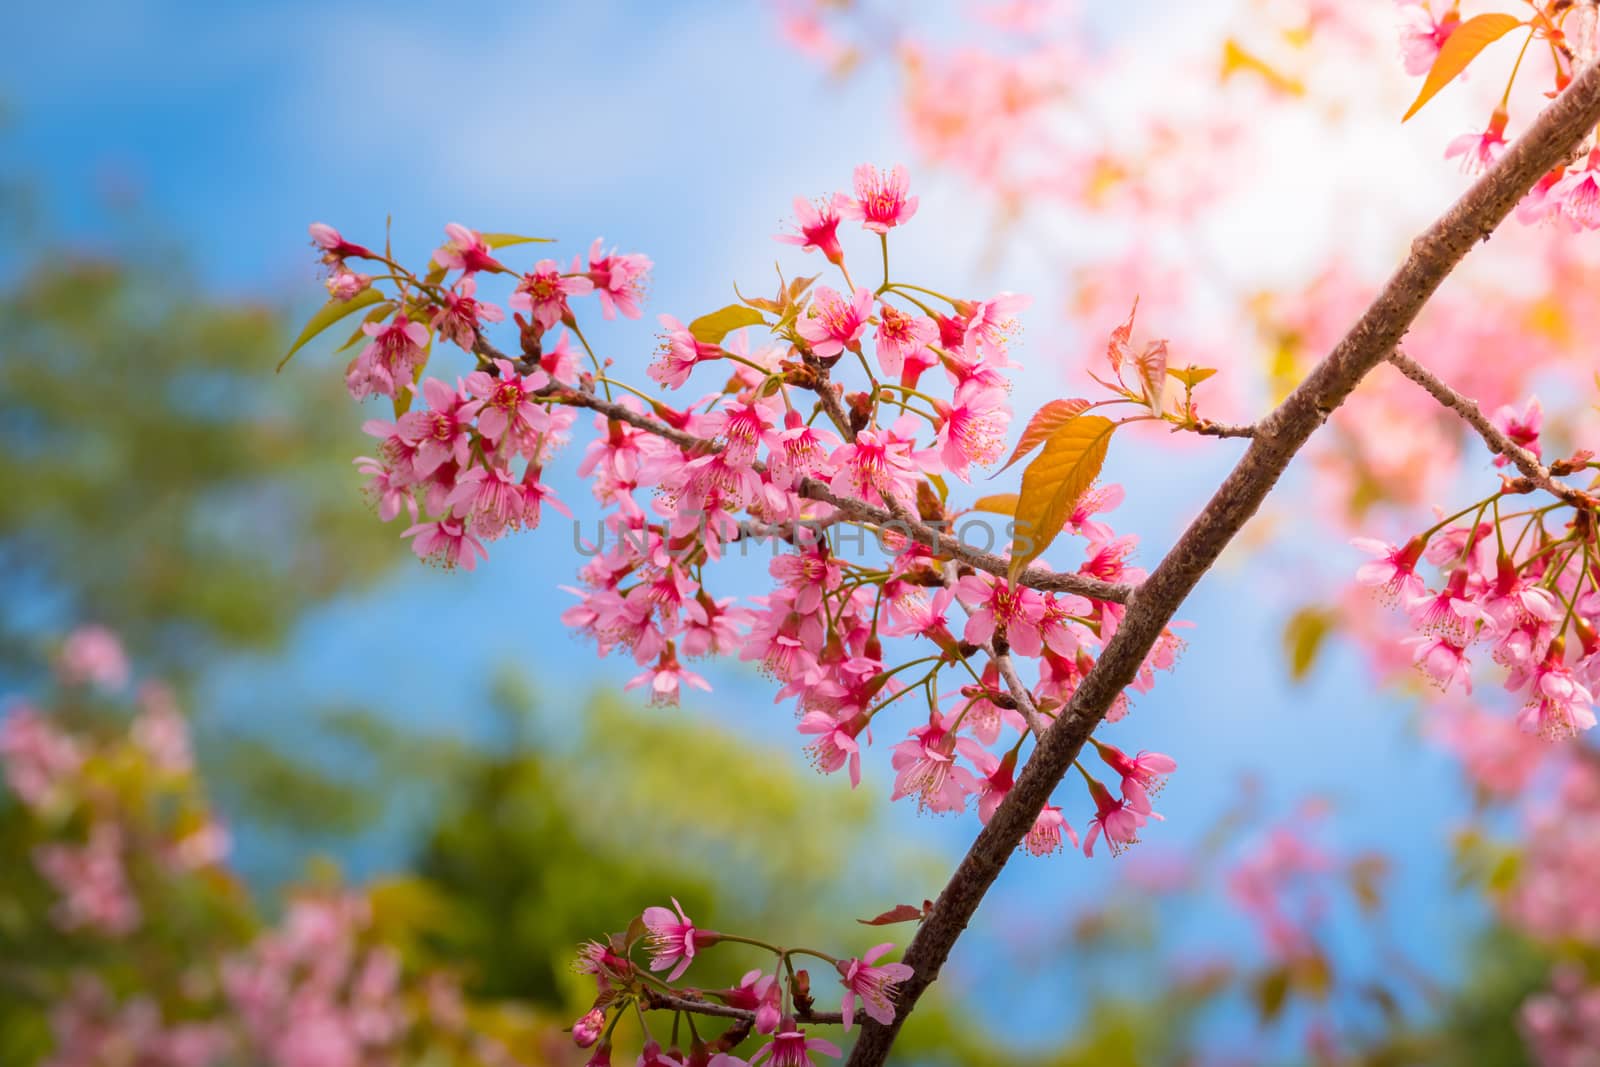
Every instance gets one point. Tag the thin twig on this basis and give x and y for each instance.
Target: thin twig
(1466, 407)
(1277, 439)
(1223, 429)
(1019, 692)
(658, 1001)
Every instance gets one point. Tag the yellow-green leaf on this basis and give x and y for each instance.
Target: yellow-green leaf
(506, 240)
(1459, 50)
(714, 327)
(331, 312)
(1192, 376)
(998, 504)
(1067, 466)
(1303, 636)
(1044, 422)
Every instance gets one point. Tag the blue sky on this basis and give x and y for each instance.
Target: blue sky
(683, 131)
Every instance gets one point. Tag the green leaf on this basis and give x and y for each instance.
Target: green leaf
(714, 327)
(331, 312)
(1459, 50)
(1045, 421)
(506, 240)
(1067, 466)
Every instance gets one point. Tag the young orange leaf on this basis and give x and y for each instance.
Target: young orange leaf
(998, 504)
(1043, 424)
(1460, 49)
(1117, 346)
(1051, 485)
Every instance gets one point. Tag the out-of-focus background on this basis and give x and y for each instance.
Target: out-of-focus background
(359, 719)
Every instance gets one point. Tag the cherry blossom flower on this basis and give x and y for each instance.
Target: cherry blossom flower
(1044, 836)
(1522, 426)
(680, 351)
(542, 293)
(790, 1047)
(1478, 151)
(1142, 775)
(901, 335)
(447, 543)
(506, 409)
(926, 766)
(673, 939)
(870, 983)
(973, 428)
(1113, 817)
(618, 280)
(666, 678)
(1394, 573)
(833, 324)
(818, 225)
(389, 361)
(466, 251)
(459, 318)
(880, 202)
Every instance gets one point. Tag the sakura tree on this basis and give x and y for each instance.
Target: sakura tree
(837, 426)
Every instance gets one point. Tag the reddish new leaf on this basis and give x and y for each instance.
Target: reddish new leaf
(1117, 347)
(900, 913)
(1152, 364)
(1459, 50)
(1045, 421)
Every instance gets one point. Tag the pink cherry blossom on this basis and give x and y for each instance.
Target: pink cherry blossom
(790, 1047)
(673, 939)
(389, 361)
(880, 202)
(1113, 817)
(465, 250)
(618, 280)
(901, 335)
(871, 983)
(818, 225)
(542, 293)
(833, 324)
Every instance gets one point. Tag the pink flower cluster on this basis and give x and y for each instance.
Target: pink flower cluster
(1509, 583)
(131, 854)
(674, 942)
(840, 483)
(1561, 1026)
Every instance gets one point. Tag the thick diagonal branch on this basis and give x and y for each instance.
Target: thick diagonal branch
(1498, 442)
(1277, 438)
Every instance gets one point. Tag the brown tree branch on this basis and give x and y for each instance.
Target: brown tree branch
(1466, 407)
(902, 521)
(1549, 141)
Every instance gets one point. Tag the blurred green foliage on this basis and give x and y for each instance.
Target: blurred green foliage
(159, 478)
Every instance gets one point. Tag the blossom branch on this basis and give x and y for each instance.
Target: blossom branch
(654, 1000)
(1472, 414)
(1277, 439)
